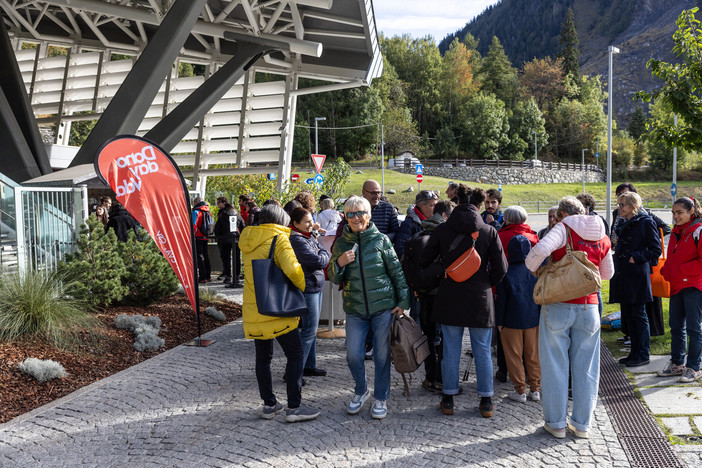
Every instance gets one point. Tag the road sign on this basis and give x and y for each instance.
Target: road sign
(597, 155)
(499, 187)
(309, 181)
(419, 169)
(419, 178)
(271, 176)
(295, 177)
(318, 179)
(318, 160)
(673, 189)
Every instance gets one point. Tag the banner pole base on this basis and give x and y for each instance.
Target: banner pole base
(200, 343)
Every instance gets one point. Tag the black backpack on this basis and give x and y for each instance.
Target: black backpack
(418, 279)
(207, 226)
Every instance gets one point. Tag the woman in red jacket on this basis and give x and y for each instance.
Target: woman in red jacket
(683, 269)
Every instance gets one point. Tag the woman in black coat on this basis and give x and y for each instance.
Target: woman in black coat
(467, 304)
(638, 248)
(313, 258)
(225, 236)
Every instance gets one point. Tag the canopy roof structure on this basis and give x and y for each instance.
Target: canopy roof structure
(119, 65)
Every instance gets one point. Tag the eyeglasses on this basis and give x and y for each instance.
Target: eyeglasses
(376, 193)
(622, 205)
(353, 214)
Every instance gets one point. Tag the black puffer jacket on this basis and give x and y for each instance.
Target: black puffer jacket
(637, 238)
(221, 229)
(313, 258)
(467, 304)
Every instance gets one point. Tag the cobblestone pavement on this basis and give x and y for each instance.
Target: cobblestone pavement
(200, 406)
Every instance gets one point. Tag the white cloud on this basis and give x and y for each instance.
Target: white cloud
(420, 18)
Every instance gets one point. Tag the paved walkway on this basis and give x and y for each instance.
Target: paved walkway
(200, 406)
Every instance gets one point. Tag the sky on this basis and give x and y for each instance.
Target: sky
(420, 18)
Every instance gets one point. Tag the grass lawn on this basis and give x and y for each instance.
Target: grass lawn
(546, 194)
(659, 344)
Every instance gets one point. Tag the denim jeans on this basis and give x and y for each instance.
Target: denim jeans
(310, 321)
(480, 339)
(569, 337)
(357, 328)
(639, 333)
(292, 347)
(685, 321)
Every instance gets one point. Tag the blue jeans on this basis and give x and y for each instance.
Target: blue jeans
(356, 330)
(308, 332)
(686, 319)
(639, 332)
(480, 339)
(569, 337)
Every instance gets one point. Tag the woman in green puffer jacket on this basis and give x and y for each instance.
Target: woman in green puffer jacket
(364, 260)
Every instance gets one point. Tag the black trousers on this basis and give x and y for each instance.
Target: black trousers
(225, 254)
(292, 347)
(432, 365)
(203, 260)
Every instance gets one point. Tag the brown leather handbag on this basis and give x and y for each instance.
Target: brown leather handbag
(467, 264)
(569, 278)
(659, 286)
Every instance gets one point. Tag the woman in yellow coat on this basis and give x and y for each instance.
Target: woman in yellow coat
(255, 243)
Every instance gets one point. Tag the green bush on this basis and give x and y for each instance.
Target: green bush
(148, 276)
(36, 304)
(97, 266)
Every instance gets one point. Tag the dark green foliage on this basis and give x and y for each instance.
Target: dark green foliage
(497, 74)
(148, 275)
(637, 123)
(570, 53)
(97, 266)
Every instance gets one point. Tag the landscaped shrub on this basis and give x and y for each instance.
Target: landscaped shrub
(216, 314)
(43, 369)
(145, 330)
(148, 275)
(97, 267)
(36, 304)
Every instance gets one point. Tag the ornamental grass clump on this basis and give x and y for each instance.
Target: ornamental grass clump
(216, 314)
(145, 330)
(43, 369)
(37, 304)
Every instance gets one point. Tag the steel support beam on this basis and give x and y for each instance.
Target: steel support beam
(134, 97)
(171, 129)
(17, 116)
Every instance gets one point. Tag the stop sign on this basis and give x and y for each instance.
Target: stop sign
(419, 178)
(294, 177)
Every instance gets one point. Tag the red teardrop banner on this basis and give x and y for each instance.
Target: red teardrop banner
(150, 186)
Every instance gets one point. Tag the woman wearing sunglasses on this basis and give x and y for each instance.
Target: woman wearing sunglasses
(374, 288)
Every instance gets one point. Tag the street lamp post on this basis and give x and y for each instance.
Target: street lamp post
(582, 168)
(612, 50)
(535, 147)
(316, 139)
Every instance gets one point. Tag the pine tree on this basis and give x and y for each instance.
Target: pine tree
(570, 53)
(96, 268)
(497, 74)
(637, 124)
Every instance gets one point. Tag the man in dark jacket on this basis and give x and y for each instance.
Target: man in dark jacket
(425, 284)
(469, 303)
(121, 221)
(493, 214)
(383, 213)
(204, 269)
(228, 226)
(423, 208)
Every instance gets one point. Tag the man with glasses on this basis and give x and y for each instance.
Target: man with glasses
(382, 213)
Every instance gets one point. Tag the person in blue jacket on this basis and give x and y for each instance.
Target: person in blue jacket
(313, 258)
(517, 318)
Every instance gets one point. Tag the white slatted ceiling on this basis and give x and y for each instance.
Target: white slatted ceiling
(221, 124)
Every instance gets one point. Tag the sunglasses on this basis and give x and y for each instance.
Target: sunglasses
(353, 214)
(622, 205)
(428, 194)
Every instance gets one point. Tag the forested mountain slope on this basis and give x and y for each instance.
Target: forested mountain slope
(641, 29)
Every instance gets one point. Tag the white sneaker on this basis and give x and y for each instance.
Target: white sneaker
(535, 396)
(356, 403)
(671, 370)
(379, 409)
(690, 375)
(520, 397)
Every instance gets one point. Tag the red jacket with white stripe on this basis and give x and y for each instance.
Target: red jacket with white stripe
(683, 267)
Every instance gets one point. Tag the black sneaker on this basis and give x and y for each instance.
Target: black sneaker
(501, 375)
(486, 407)
(446, 404)
(637, 362)
(314, 372)
(301, 413)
